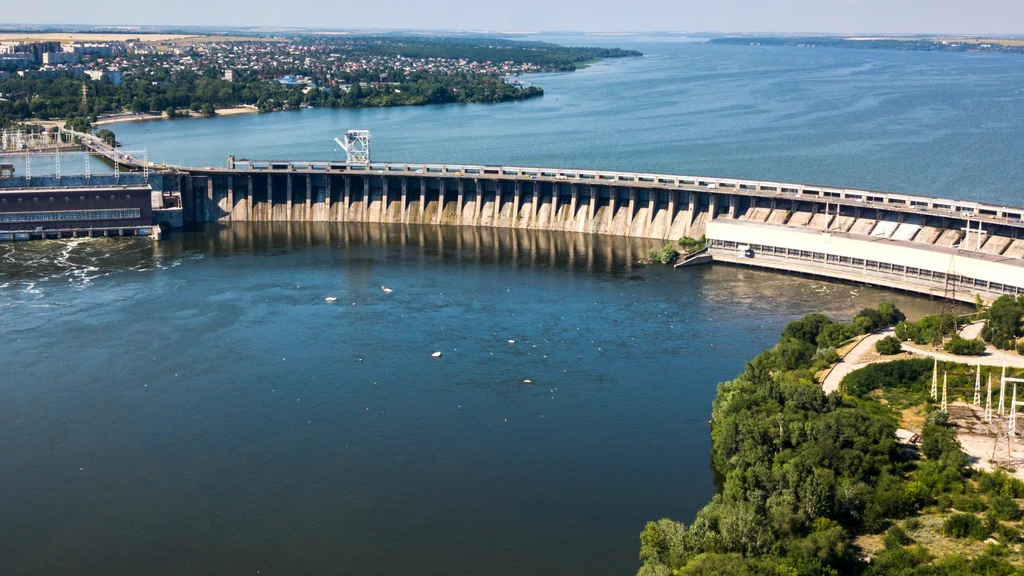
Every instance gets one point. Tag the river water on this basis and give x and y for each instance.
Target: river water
(197, 406)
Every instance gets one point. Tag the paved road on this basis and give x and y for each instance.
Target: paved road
(854, 359)
(972, 330)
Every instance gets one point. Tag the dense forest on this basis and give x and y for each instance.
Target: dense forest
(927, 44)
(810, 477)
(62, 97)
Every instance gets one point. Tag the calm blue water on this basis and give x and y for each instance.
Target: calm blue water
(196, 406)
(929, 123)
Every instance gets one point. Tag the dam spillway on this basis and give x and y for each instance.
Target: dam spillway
(983, 240)
(971, 249)
(654, 206)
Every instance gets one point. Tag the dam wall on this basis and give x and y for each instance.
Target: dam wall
(947, 248)
(653, 206)
(500, 203)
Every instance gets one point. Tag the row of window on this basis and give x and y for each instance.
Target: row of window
(70, 215)
(66, 198)
(871, 265)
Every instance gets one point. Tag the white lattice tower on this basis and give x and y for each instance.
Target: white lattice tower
(943, 392)
(1003, 388)
(1002, 391)
(988, 401)
(935, 380)
(977, 386)
(1012, 428)
(1013, 406)
(356, 146)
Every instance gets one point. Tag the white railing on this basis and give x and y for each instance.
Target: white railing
(868, 198)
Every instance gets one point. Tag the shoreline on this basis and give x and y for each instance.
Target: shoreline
(148, 116)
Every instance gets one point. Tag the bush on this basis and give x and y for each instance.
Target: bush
(1004, 507)
(807, 328)
(792, 354)
(999, 482)
(888, 346)
(693, 244)
(1007, 534)
(824, 358)
(834, 334)
(963, 525)
(871, 319)
(862, 325)
(927, 330)
(908, 374)
(896, 536)
(663, 255)
(964, 347)
(890, 314)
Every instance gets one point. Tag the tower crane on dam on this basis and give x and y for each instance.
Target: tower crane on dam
(356, 146)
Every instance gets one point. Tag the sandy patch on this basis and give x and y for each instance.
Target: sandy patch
(237, 110)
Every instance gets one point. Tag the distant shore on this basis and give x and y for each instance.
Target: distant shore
(144, 116)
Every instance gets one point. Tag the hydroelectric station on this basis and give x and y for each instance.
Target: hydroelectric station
(939, 247)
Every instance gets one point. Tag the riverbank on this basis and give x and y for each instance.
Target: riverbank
(818, 483)
(146, 116)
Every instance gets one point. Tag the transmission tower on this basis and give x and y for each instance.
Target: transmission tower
(944, 408)
(85, 98)
(988, 401)
(1002, 391)
(935, 380)
(977, 386)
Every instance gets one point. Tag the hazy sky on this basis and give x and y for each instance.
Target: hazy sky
(844, 16)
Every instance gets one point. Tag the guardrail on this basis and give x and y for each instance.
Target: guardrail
(768, 189)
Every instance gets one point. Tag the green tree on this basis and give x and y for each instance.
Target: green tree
(888, 346)
(834, 334)
(964, 347)
(1003, 324)
(663, 543)
(106, 136)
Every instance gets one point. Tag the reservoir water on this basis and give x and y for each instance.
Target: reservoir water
(197, 406)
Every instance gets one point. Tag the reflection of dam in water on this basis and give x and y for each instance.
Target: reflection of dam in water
(461, 245)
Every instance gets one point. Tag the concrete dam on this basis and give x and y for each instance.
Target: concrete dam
(933, 246)
(940, 247)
